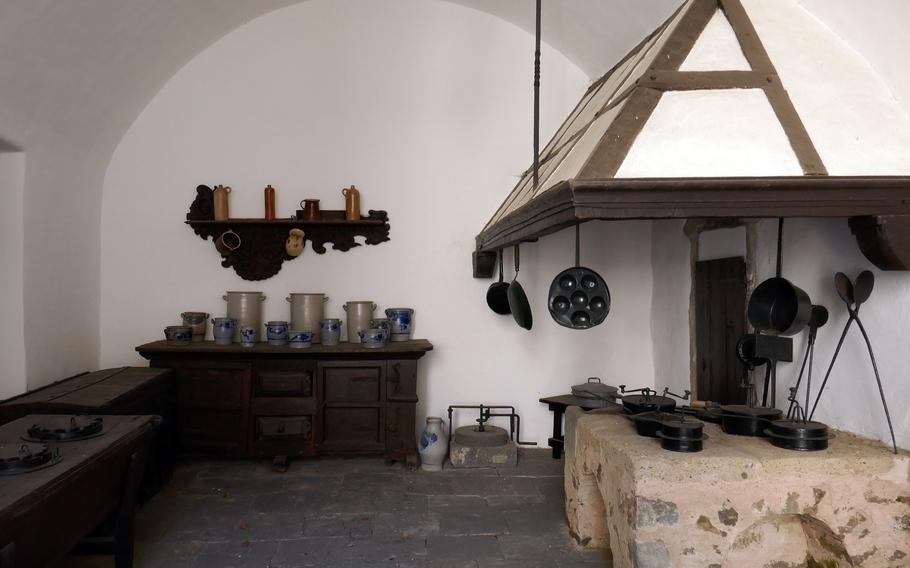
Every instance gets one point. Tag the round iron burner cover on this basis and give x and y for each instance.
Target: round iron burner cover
(25, 458)
(798, 435)
(636, 403)
(65, 429)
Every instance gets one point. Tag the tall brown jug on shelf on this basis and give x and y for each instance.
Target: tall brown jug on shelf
(269, 193)
(351, 203)
(220, 195)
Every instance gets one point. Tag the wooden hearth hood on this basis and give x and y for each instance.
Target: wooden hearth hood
(605, 161)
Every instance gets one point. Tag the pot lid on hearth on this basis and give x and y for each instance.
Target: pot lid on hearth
(731, 108)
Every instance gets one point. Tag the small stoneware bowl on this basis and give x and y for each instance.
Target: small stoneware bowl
(248, 336)
(373, 338)
(299, 339)
(178, 334)
(381, 323)
(277, 332)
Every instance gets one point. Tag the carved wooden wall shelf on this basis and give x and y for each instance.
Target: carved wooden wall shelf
(262, 249)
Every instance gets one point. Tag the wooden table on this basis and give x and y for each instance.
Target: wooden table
(45, 513)
(279, 401)
(122, 390)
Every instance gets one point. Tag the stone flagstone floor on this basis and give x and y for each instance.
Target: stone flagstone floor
(355, 512)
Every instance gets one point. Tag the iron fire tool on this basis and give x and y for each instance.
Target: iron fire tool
(853, 297)
(485, 415)
(798, 433)
(819, 319)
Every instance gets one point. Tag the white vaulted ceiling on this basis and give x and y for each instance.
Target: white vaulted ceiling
(74, 75)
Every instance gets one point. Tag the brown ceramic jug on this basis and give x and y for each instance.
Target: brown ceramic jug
(221, 202)
(310, 209)
(269, 193)
(351, 203)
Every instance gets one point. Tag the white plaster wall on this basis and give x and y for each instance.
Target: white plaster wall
(12, 340)
(426, 107)
(722, 243)
(672, 274)
(852, 117)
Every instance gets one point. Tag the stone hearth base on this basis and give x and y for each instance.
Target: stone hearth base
(739, 503)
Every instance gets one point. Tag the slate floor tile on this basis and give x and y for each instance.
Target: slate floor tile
(357, 513)
(243, 554)
(462, 548)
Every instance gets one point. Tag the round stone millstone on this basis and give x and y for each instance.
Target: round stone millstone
(471, 437)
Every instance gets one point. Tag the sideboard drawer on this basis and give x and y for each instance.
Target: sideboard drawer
(284, 383)
(300, 427)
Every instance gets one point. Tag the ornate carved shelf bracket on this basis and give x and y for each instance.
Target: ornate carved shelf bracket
(262, 243)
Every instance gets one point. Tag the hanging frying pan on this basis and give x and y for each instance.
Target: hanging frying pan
(579, 297)
(518, 300)
(498, 293)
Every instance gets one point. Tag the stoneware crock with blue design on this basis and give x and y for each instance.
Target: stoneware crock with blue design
(373, 338)
(330, 331)
(433, 445)
(401, 321)
(382, 323)
(248, 336)
(277, 332)
(178, 334)
(223, 330)
(299, 339)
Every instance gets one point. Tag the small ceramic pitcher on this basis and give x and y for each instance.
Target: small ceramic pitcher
(433, 445)
(196, 321)
(223, 330)
(248, 336)
(277, 332)
(330, 330)
(294, 244)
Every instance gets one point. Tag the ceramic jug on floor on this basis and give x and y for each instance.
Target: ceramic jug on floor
(433, 445)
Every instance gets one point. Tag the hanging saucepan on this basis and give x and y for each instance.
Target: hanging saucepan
(498, 293)
(777, 307)
(518, 300)
(579, 297)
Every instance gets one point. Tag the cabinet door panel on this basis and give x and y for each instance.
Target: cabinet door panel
(352, 383)
(214, 403)
(352, 429)
(401, 381)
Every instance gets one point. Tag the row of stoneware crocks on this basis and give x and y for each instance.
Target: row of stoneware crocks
(397, 327)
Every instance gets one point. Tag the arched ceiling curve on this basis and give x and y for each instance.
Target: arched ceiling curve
(90, 67)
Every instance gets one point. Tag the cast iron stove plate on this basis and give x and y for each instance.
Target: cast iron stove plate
(25, 458)
(65, 429)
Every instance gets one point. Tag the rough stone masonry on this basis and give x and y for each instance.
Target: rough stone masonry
(739, 503)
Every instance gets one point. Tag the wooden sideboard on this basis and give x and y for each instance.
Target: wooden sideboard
(268, 401)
